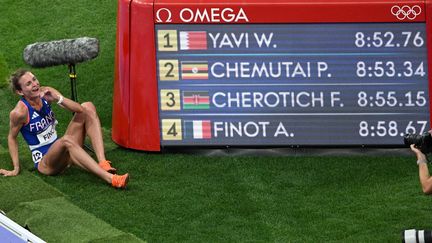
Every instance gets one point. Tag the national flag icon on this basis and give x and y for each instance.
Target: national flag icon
(194, 70)
(193, 40)
(196, 100)
(198, 129)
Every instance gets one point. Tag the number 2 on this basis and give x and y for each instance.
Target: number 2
(168, 70)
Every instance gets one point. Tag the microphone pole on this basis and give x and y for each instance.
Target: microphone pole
(72, 76)
(74, 93)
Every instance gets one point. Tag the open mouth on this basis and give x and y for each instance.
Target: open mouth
(35, 90)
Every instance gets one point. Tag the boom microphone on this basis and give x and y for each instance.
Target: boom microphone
(59, 52)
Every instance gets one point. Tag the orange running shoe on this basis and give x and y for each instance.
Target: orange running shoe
(120, 181)
(106, 165)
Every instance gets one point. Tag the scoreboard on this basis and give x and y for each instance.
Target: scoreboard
(282, 73)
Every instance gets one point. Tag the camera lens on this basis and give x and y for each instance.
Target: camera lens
(420, 236)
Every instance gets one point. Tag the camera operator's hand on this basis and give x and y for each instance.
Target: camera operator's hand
(421, 157)
(425, 178)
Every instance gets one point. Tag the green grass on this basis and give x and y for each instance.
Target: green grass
(45, 215)
(4, 72)
(308, 199)
(189, 198)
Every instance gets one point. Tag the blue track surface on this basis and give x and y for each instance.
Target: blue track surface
(9, 237)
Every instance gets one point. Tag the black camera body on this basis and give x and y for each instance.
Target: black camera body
(421, 141)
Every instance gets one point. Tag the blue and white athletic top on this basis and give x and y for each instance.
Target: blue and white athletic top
(39, 131)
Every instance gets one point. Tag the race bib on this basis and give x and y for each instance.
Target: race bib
(48, 136)
(36, 156)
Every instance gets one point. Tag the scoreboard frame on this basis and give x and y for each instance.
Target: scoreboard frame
(136, 122)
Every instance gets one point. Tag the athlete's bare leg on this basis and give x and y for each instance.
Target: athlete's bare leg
(69, 148)
(63, 151)
(87, 123)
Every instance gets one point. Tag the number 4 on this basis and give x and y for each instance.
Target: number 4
(171, 129)
(420, 70)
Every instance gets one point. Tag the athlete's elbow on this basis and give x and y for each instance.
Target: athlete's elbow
(12, 138)
(426, 192)
(427, 189)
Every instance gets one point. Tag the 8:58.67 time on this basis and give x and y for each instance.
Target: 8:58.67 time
(390, 128)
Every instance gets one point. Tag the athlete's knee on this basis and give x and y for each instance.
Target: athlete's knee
(69, 142)
(89, 109)
(89, 106)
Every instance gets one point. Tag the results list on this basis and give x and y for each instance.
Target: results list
(292, 84)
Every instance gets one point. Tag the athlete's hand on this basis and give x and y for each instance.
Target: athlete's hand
(49, 94)
(8, 172)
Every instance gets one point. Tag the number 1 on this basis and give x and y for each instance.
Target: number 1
(168, 45)
(167, 40)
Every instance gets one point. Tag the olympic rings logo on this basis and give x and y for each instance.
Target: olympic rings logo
(406, 12)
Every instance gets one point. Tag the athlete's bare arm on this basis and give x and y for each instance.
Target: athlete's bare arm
(52, 95)
(17, 118)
